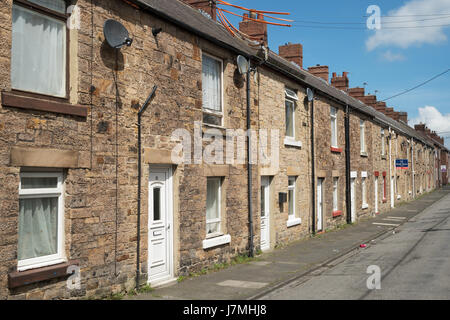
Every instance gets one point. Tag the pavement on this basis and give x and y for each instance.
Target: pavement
(274, 271)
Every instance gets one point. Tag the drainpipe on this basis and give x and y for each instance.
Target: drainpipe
(313, 171)
(138, 247)
(348, 200)
(249, 166)
(413, 169)
(390, 167)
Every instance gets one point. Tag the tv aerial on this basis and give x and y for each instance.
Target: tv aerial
(310, 94)
(243, 64)
(116, 34)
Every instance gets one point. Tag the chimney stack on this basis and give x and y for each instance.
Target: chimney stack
(403, 116)
(370, 100)
(208, 6)
(357, 93)
(420, 127)
(292, 52)
(253, 28)
(320, 71)
(340, 82)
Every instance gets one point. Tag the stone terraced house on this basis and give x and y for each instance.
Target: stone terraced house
(71, 205)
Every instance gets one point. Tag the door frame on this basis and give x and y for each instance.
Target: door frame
(320, 206)
(353, 199)
(265, 181)
(170, 219)
(376, 194)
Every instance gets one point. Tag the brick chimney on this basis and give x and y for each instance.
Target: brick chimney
(370, 100)
(435, 137)
(381, 106)
(254, 28)
(403, 116)
(420, 128)
(357, 93)
(340, 82)
(320, 71)
(292, 52)
(209, 6)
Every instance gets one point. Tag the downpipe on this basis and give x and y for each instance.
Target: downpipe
(348, 199)
(138, 247)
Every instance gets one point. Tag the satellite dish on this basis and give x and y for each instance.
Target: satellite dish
(116, 34)
(310, 94)
(243, 64)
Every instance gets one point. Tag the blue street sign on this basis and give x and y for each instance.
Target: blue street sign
(402, 163)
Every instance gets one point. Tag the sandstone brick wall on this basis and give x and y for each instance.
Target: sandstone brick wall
(293, 160)
(330, 164)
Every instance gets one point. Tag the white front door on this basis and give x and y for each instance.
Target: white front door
(353, 200)
(160, 228)
(320, 205)
(392, 192)
(376, 195)
(265, 213)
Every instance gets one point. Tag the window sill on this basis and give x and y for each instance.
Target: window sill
(337, 213)
(19, 279)
(365, 206)
(15, 100)
(216, 241)
(336, 150)
(383, 158)
(292, 143)
(364, 154)
(384, 200)
(294, 222)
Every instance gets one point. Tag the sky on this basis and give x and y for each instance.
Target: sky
(404, 53)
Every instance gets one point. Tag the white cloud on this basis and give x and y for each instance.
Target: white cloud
(435, 121)
(420, 34)
(392, 57)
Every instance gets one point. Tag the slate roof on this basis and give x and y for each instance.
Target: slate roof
(190, 19)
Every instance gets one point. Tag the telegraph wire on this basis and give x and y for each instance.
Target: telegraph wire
(418, 86)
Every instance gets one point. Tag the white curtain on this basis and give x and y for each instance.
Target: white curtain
(212, 205)
(211, 84)
(38, 227)
(38, 61)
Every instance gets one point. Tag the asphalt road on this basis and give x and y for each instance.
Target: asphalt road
(414, 263)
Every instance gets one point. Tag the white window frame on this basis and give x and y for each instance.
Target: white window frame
(60, 256)
(383, 143)
(365, 205)
(335, 194)
(334, 133)
(292, 114)
(209, 111)
(362, 127)
(219, 218)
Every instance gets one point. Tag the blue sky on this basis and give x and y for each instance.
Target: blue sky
(390, 60)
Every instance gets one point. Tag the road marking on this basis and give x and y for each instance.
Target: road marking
(260, 263)
(411, 210)
(393, 220)
(242, 284)
(400, 218)
(387, 224)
